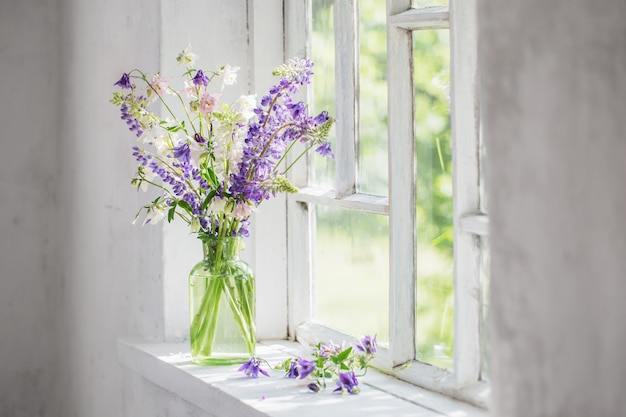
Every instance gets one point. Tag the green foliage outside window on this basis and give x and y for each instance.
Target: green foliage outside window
(343, 280)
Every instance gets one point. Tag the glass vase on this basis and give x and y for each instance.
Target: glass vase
(221, 304)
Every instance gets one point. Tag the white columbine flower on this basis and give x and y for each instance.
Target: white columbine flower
(195, 225)
(163, 148)
(147, 175)
(154, 214)
(247, 104)
(242, 210)
(195, 153)
(228, 150)
(228, 75)
(152, 134)
(186, 57)
(217, 205)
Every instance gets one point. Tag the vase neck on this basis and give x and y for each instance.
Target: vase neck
(216, 248)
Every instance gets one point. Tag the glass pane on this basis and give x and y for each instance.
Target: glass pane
(435, 276)
(418, 4)
(323, 55)
(485, 268)
(373, 97)
(352, 272)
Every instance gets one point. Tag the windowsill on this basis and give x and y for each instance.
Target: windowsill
(224, 392)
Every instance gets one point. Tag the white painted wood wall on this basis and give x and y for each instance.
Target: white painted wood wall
(553, 78)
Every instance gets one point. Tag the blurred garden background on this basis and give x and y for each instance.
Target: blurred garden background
(352, 248)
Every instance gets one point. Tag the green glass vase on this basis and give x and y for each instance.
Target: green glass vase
(221, 304)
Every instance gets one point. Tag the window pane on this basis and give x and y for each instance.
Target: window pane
(418, 4)
(352, 272)
(323, 55)
(372, 97)
(485, 265)
(435, 277)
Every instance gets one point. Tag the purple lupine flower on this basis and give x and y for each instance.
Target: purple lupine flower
(243, 228)
(297, 110)
(252, 368)
(367, 345)
(278, 123)
(124, 82)
(128, 115)
(266, 100)
(140, 156)
(325, 150)
(347, 382)
(200, 78)
(322, 118)
(305, 71)
(132, 122)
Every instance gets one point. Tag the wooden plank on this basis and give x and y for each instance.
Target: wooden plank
(328, 197)
(299, 219)
(475, 224)
(221, 390)
(417, 19)
(346, 95)
(270, 225)
(402, 171)
(298, 28)
(464, 111)
(438, 380)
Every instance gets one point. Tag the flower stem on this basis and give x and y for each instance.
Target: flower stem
(297, 159)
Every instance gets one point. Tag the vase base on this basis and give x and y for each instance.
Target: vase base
(218, 361)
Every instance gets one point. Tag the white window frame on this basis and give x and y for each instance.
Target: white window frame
(470, 224)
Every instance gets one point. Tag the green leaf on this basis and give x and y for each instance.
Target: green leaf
(185, 205)
(283, 366)
(212, 178)
(171, 212)
(208, 199)
(341, 356)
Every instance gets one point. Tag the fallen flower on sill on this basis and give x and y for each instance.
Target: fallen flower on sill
(252, 367)
(330, 362)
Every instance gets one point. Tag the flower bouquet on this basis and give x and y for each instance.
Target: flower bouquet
(214, 163)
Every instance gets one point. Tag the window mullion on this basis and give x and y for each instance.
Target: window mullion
(300, 220)
(464, 111)
(426, 18)
(360, 202)
(269, 237)
(347, 92)
(401, 188)
(477, 224)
